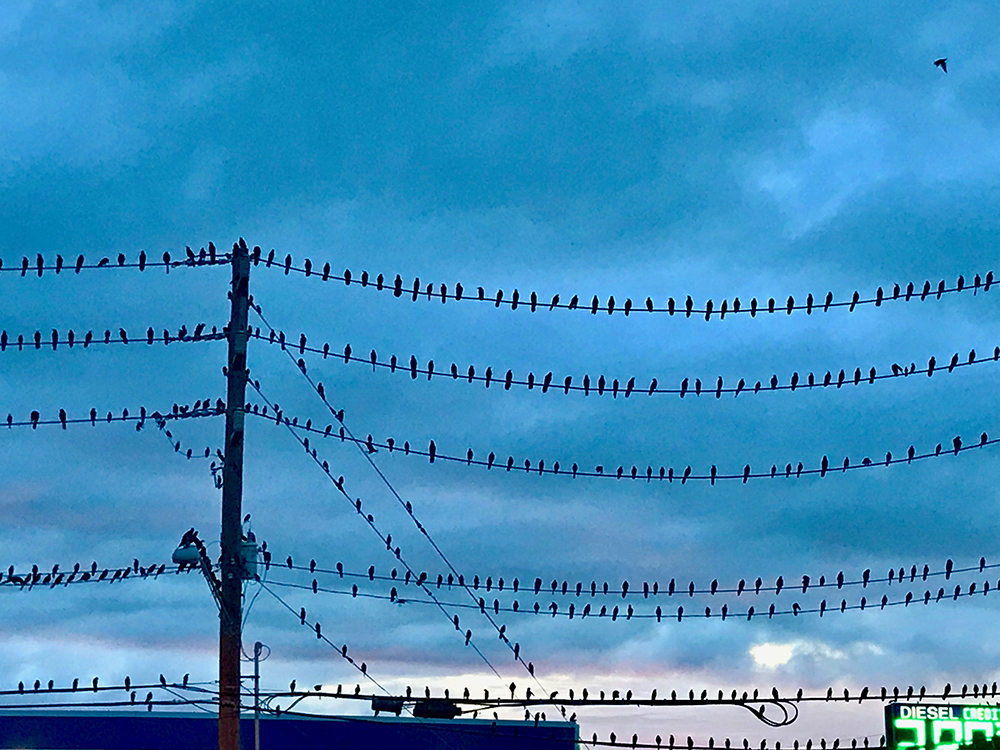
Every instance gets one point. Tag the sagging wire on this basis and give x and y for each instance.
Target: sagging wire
(70, 339)
(628, 612)
(624, 387)
(96, 687)
(805, 582)
(178, 448)
(318, 388)
(198, 410)
(675, 698)
(370, 446)
(209, 257)
(687, 308)
(28, 580)
(369, 519)
(341, 650)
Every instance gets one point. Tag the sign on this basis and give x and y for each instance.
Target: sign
(940, 726)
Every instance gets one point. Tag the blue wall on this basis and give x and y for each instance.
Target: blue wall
(134, 731)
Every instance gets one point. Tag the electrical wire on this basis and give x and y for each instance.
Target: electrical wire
(629, 613)
(624, 387)
(318, 389)
(342, 651)
(805, 582)
(617, 698)
(203, 258)
(687, 308)
(95, 687)
(70, 338)
(29, 580)
(635, 473)
(178, 448)
(182, 412)
(339, 484)
(613, 740)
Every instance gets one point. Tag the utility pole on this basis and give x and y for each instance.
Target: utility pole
(230, 615)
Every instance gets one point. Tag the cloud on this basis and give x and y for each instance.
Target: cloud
(770, 656)
(85, 104)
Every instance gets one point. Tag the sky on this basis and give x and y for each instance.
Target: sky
(747, 150)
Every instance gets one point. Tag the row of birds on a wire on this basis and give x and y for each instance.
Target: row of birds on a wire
(615, 698)
(584, 697)
(539, 586)
(38, 340)
(210, 256)
(626, 387)
(586, 385)
(356, 505)
(128, 687)
(28, 579)
(627, 612)
(200, 408)
(615, 740)
(203, 257)
(664, 473)
(95, 686)
(688, 307)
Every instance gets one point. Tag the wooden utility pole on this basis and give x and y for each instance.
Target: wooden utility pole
(230, 615)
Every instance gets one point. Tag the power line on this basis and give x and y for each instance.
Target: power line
(687, 308)
(318, 389)
(71, 339)
(96, 687)
(197, 411)
(315, 626)
(625, 387)
(29, 580)
(628, 612)
(675, 698)
(204, 257)
(512, 583)
(369, 519)
(622, 472)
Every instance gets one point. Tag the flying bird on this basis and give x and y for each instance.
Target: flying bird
(942, 63)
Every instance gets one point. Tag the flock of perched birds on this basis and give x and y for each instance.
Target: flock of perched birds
(430, 291)
(179, 411)
(210, 256)
(629, 612)
(56, 577)
(199, 333)
(647, 589)
(664, 474)
(204, 257)
(601, 385)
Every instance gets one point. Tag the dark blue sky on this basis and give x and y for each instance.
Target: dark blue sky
(747, 150)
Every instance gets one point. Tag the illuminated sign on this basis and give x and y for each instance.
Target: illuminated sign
(940, 727)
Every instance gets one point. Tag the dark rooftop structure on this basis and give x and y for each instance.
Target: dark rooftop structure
(92, 730)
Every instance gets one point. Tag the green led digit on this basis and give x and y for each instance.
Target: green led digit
(948, 730)
(984, 727)
(919, 733)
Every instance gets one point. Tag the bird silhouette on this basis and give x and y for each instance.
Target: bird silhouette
(942, 63)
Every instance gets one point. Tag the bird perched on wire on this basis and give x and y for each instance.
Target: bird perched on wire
(942, 63)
